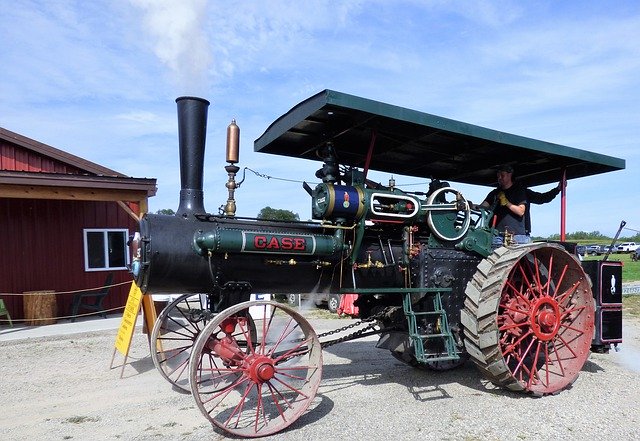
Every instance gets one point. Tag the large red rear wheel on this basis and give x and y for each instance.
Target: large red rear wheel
(529, 318)
(258, 384)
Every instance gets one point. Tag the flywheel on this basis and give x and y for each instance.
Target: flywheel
(529, 318)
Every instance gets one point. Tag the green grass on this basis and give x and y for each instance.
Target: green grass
(631, 304)
(630, 269)
(630, 273)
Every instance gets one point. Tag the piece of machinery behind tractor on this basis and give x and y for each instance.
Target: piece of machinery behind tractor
(429, 280)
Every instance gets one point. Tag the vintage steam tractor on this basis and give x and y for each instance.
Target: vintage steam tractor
(429, 278)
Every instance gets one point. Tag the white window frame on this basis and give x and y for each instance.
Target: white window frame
(105, 233)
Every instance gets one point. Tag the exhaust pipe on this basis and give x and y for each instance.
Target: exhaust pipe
(192, 132)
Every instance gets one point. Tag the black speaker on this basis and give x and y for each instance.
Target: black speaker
(607, 281)
(607, 292)
(610, 326)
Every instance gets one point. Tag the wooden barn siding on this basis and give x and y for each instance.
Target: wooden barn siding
(16, 158)
(41, 247)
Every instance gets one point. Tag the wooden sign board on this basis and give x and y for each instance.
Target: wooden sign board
(128, 322)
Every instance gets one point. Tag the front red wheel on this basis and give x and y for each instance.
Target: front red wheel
(263, 385)
(529, 318)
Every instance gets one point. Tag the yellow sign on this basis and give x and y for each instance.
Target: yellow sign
(129, 317)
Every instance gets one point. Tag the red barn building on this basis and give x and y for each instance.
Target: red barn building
(64, 223)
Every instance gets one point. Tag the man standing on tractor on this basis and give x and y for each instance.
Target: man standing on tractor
(510, 204)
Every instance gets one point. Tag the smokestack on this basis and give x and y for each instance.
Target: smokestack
(192, 132)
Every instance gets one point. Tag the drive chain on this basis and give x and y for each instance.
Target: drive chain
(372, 325)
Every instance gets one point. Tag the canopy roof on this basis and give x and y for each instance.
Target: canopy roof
(412, 143)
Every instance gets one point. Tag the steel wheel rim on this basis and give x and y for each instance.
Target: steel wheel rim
(268, 386)
(545, 321)
(174, 334)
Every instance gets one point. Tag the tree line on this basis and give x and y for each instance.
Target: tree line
(593, 236)
(267, 213)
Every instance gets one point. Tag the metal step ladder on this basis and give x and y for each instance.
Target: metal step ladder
(418, 339)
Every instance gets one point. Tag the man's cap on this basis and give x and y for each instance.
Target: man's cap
(505, 168)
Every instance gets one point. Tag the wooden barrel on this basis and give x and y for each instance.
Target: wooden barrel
(38, 305)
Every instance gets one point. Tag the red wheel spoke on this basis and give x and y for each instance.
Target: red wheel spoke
(284, 334)
(518, 292)
(273, 391)
(560, 365)
(568, 312)
(567, 345)
(509, 308)
(211, 370)
(550, 275)
(293, 352)
(546, 362)
(517, 343)
(534, 366)
(282, 397)
(223, 373)
(512, 326)
(187, 318)
(525, 278)
(238, 409)
(226, 391)
(173, 336)
(565, 295)
(259, 408)
(559, 282)
(536, 275)
(523, 356)
(580, 331)
(291, 376)
(517, 357)
(246, 334)
(291, 388)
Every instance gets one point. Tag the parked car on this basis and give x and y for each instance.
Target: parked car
(628, 247)
(604, 249)
(332, 301)
(593, 249)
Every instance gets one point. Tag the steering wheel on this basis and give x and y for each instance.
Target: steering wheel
(448, 217)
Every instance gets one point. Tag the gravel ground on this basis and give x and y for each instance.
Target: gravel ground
(61, 388)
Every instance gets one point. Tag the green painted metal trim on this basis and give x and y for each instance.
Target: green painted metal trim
(295, 115)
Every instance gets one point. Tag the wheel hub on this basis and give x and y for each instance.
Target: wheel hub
(260, 369)
(545, 318)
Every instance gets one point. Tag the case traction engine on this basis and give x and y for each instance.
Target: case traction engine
(429, 279)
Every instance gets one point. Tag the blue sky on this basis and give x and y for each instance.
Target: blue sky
(99, 78)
